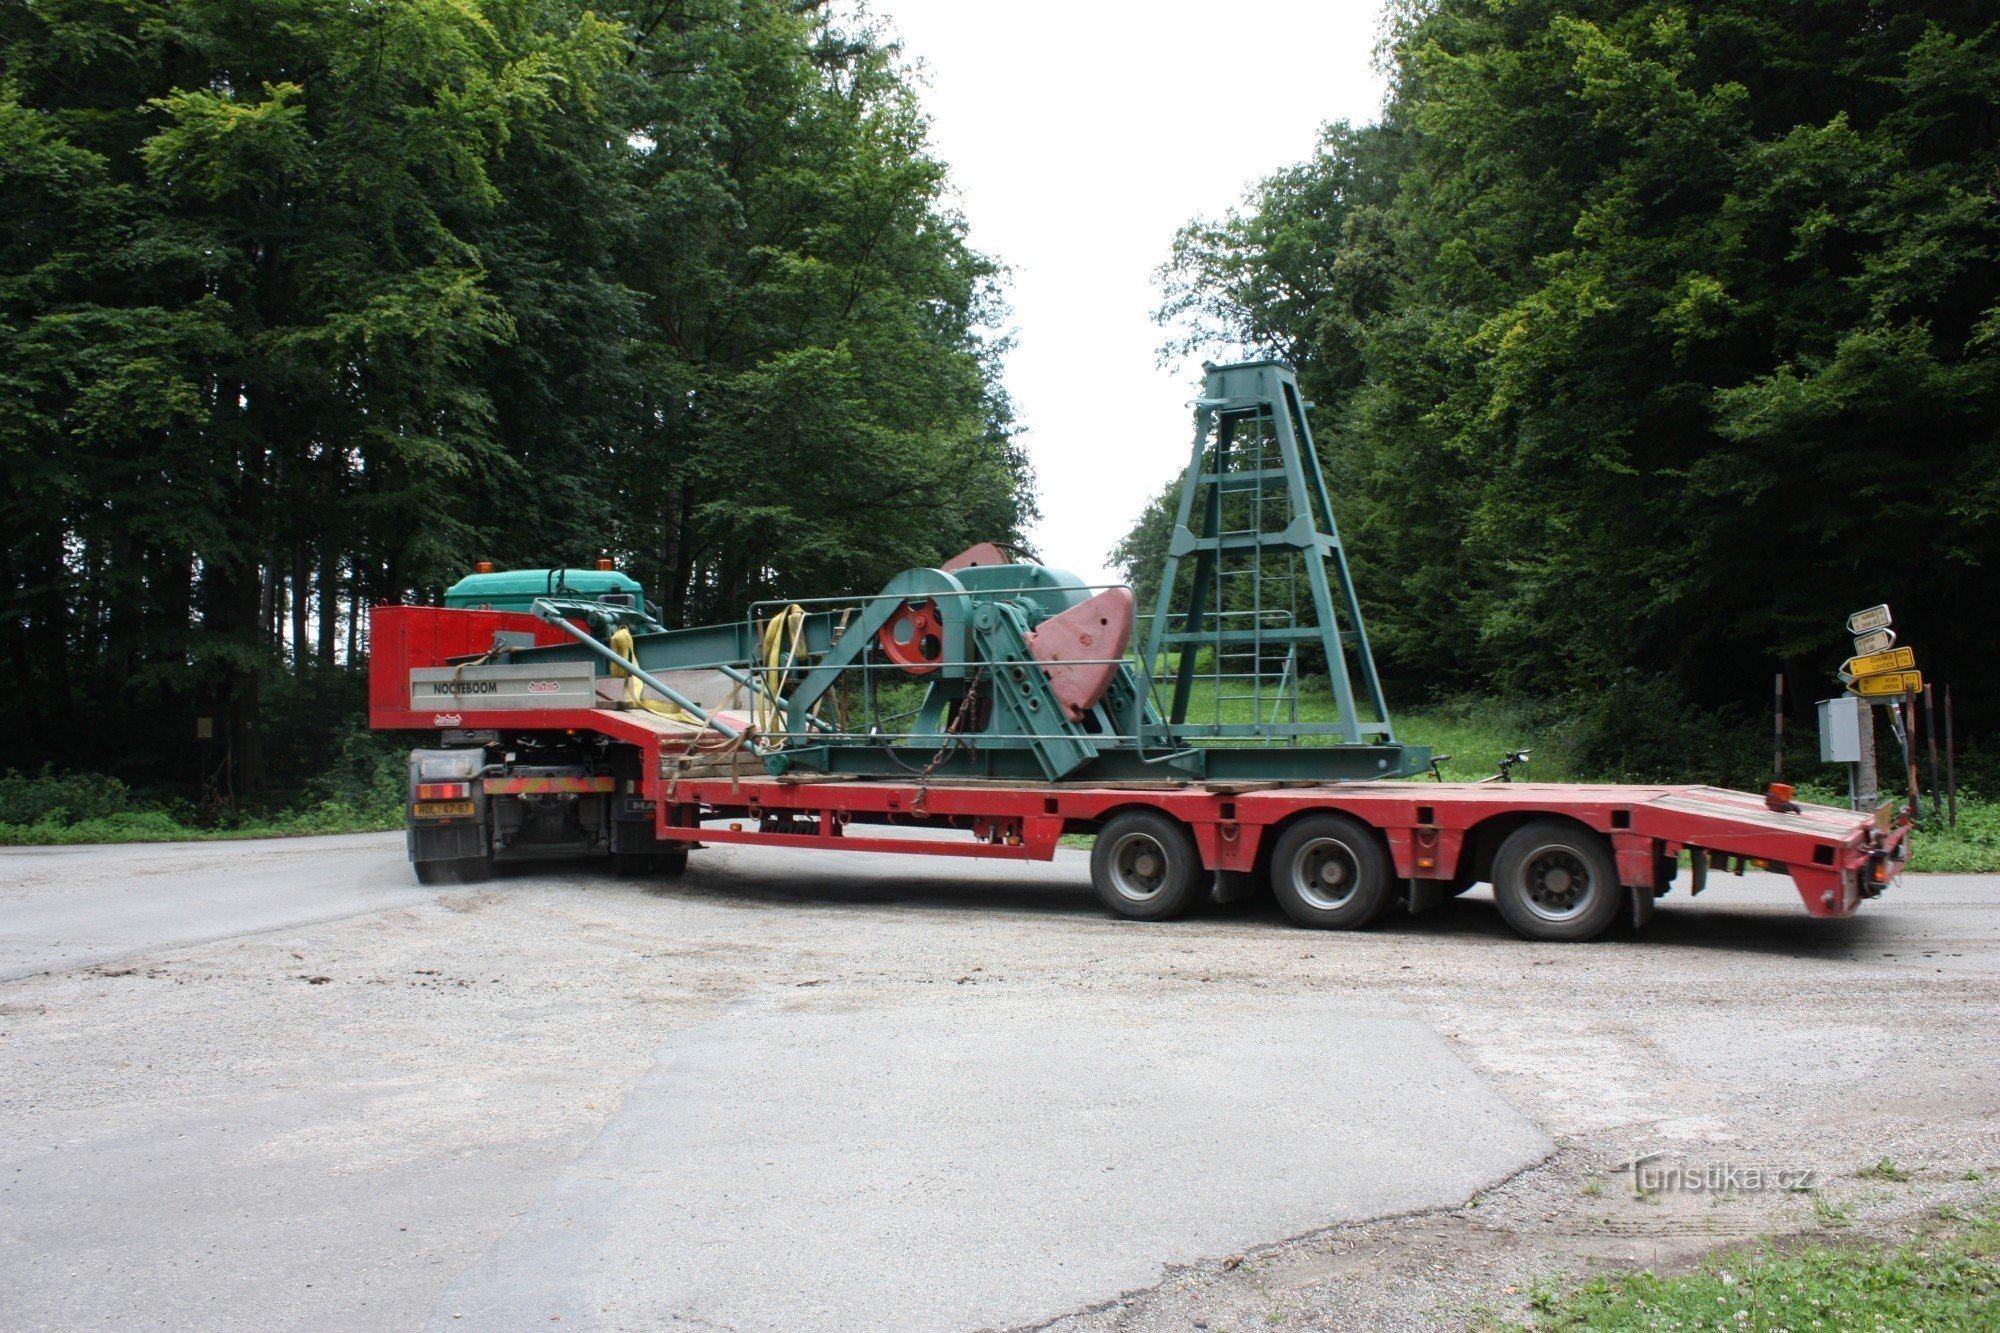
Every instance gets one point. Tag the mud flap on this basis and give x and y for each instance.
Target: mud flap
(1642, 906)
(1233, 886)
(1428, 893)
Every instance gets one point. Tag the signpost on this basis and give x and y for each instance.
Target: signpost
(1874, 618)
(1879, 673)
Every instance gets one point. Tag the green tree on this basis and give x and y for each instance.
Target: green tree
(306, 305)
(1676, 343)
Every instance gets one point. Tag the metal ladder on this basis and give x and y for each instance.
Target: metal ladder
(1255, 519)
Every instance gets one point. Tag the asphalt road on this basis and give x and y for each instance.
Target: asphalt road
(67, 907)
(277, 1084)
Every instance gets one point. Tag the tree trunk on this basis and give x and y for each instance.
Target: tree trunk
(329, 605)
(301, 580)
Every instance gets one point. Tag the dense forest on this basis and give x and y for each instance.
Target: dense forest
(305, 305)
(1648, 341)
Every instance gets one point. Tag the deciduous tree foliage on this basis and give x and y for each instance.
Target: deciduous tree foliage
(1649, 341)
(307, 304)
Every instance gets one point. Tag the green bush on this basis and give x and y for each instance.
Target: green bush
(61, 799)
(361, 790)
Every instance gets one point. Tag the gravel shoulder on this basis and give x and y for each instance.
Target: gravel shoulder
(370, 1102)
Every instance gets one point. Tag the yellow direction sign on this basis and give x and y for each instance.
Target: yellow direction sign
(1889, 684)
(1874, 664)
(1875, 617)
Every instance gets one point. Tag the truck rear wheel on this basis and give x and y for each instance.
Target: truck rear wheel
(1330, 872)
(1145, 867)
(1557, 881)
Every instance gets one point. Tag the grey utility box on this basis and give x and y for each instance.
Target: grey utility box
(1840, 723)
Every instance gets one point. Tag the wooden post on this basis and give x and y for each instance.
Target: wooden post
(1910, 751)
(1930, 738)
(1778, 728)
(1950, 765)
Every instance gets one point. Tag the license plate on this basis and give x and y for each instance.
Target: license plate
(443, 809)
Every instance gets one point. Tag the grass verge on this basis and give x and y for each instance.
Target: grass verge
(1945, 1277)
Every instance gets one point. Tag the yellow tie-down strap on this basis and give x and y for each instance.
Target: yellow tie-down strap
(635, 689)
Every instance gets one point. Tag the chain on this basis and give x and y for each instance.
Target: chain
(953, 739)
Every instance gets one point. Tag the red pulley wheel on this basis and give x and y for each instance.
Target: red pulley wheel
(914, 638)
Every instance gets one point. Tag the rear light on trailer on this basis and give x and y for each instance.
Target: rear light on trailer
(444, 791)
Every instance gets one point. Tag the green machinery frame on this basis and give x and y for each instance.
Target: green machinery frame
(1254, 522)
(1268, 591)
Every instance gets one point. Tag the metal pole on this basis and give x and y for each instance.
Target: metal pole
(1866, 781)
(1778, 728)
(1930, 735)
(549, 612)
(1910, 752)
(1950, 764)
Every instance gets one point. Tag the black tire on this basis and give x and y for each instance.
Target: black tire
(671, 863)
(632, 865)
(1330, 872)
(1557, 881)
(435, 872)
(1145, 866)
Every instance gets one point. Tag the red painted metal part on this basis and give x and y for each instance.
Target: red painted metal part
(403, 637)
(546, 786)
(914, 637)
(979, 553)
(1083, 648)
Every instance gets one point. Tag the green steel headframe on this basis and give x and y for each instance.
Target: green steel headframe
(1269, 576)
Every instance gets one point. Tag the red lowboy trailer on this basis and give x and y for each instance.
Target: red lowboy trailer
(509, 778)
(569, 719)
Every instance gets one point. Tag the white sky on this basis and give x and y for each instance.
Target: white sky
(1080, 136)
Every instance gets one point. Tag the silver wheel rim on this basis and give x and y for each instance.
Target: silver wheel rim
(1557, 884)
(1139, 867)
(1326, 874)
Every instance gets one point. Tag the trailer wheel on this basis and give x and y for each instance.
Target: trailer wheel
(672, 862)
(1145, 867)
(1557, 881)
(1330, 872)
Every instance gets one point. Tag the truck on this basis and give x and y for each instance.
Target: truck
(991, 705)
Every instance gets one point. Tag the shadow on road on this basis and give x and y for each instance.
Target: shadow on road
(1062, 892)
